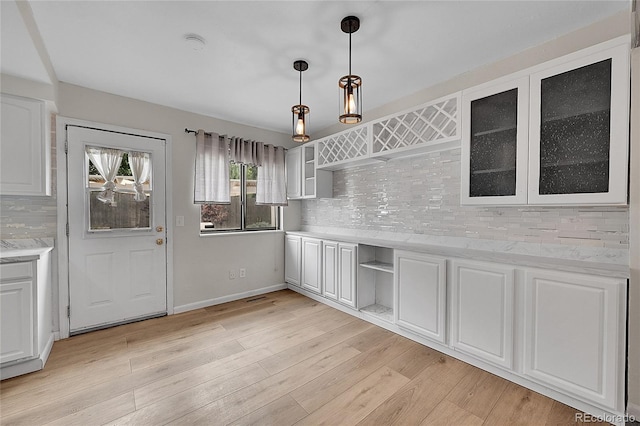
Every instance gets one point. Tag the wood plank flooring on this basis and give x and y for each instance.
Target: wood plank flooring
(277, 359)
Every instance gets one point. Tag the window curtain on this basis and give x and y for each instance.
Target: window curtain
(212, 169)
(271, 187)
(246, 151)
(107, 161)
(140, 165)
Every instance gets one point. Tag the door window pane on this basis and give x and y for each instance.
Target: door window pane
(125, 211)
(493, 145)
(574, 130)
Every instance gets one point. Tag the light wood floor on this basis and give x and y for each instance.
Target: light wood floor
(276, 359)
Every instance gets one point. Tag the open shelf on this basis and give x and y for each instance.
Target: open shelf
(382, 312)
(378, 266)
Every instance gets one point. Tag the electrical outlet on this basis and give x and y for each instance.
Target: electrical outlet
(243, 272)
(232, 274)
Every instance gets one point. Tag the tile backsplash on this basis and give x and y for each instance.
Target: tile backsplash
(421, 195)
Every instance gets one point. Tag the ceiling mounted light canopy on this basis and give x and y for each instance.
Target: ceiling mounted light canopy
(350, 85)
(300, 112)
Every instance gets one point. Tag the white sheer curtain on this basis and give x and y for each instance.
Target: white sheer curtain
(140, 165)
(107, 162)
(212, 169)
(271, 187)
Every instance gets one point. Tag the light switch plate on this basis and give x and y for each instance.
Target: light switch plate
(179, 220)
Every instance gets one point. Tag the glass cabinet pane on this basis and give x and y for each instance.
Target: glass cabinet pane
(575, 130)
(493, 145)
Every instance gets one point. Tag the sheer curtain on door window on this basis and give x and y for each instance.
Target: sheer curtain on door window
(140, 165)
(107, 162)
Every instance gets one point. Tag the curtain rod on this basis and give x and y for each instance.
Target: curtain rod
(187, 130)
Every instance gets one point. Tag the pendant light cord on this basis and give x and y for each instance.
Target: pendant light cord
(300, 86)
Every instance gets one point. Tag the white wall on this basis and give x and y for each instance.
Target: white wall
(201, 264)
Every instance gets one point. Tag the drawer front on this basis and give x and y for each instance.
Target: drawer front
(11, 271)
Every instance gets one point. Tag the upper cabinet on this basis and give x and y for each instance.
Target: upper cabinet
(555, 134)
(303, 178)
(494, 138)
(25, 164)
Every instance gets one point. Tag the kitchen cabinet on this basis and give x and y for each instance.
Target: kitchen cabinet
(347, 274)
(303, 178)
(482, 311)
(579, 130)
(573, 326)
(375, 281)
(495, 144)
(330, 270)
(421, 294)
(18, 339)
(311, 278)
(344, 149)
(292, 259)
(25, 164)
(554, 134)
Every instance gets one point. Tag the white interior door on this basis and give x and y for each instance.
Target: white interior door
(117, 251)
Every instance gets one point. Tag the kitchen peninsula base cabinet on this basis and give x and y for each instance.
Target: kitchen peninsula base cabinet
(482, 311)
(554, 330)
(421, 294)
(26, 335)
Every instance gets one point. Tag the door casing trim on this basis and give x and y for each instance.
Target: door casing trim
(62, 210)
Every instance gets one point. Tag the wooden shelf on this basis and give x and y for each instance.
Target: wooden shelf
(378, 266)
(382, 312)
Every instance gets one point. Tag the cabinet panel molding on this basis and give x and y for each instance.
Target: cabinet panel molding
(292, 259)
(572, 333)
(311, 278)
(482, 311)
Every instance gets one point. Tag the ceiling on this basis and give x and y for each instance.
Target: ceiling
(244, 73)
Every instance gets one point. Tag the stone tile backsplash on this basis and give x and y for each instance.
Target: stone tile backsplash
(421, 195)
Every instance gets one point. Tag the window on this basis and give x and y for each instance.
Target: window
(242, 214)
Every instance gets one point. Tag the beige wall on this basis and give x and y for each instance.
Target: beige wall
(201, 264)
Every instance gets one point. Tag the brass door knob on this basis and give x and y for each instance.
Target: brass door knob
(160, 241)
(159, 228)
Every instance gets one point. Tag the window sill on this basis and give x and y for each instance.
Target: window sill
(236, 233)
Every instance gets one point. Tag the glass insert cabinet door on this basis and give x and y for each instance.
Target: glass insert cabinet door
(579, 131)
(494, 144)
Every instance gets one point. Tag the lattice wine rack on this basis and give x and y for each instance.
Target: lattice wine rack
(344, 146)
(426, 124)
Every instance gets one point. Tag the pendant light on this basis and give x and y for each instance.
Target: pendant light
(300, 112)
(350, 93)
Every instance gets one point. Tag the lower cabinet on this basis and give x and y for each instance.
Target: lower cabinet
(573, 330)
(347, 267)
(311, 265)
(482, 311)
(421, 294)
(292, 259)
(330, 270)
(18, 310)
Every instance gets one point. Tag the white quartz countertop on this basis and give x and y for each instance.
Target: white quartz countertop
(24, 250)
(590, 260)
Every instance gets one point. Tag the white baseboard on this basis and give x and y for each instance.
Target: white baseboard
(633, 410)
(229, 298)
(18, 368)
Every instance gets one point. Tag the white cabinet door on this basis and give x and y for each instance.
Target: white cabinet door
(312, 265)
(579, 130)
(573, 327)
(294, 173)
(495, 143)
(292, 253)
(17, 311)
(348, 265)
(330, 269)
(420, 285)
(25, 164)
(482, 311)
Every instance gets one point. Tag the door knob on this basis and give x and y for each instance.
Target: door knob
(159, 228)
(160, 241)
